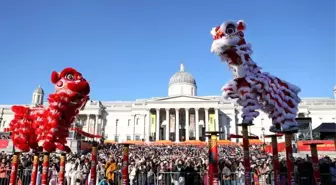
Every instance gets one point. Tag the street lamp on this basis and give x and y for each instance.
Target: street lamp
(263, 131)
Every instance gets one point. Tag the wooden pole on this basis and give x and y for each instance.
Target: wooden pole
(45, 169)
(14, 170)
(93, 176)
(34, 170)
(125, 164)
(289, 158)
(62, 169)
(247, 164)
(276, 165)
(315, 162)
(213, 158)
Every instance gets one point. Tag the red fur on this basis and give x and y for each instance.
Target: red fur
(54, 77)
(241, 26)
(49, 126)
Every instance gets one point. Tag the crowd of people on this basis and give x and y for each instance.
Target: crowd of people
(165, 165)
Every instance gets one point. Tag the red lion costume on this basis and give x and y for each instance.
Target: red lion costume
(253, 88)
(47, 128)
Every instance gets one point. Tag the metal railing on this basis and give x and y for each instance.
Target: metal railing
(177, 178)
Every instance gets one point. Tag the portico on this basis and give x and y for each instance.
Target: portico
(181, 124)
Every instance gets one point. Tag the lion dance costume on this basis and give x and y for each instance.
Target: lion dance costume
(46, 128)
(253, 89)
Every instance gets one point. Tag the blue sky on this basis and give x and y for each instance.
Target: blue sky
(130, 49)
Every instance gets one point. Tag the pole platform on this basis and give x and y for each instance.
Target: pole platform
(274, 135)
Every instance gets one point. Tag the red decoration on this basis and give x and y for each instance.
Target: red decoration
(85, 134)
(47, 128)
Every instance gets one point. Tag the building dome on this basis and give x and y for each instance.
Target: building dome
(182, 77)
(182, 83)
(38, 95)
(38, 90)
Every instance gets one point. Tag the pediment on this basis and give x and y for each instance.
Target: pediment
(182, 99)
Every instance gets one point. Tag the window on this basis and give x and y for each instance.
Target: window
(71, 134)
(129, 122)
(116, 138)
(137, 121)
(128, 138)
(137, 138)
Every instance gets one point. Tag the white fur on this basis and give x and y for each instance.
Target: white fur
(265, 89)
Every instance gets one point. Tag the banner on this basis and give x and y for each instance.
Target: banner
(212, 122)
(4, 143)
(85, 146)
(172, 123)
(153, 123)
(328, 145)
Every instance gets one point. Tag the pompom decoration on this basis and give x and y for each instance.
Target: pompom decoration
(253, 89)
(47, 128)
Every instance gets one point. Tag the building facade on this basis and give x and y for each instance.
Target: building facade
(182, 115)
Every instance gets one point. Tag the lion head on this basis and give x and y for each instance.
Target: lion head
(72, 83)
(226, 38)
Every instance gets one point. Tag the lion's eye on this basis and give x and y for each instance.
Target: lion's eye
(70, 77)
(230, 29)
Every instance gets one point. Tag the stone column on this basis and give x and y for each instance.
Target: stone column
(206, 122)
(216, 120)
(81, 122)
(167, 124)
(88, 123)
(187, 124)
(157, 133)
(134, 120)
(149, 125)
(96, 125)
(144, 128)
(196, 124)
(177, 127)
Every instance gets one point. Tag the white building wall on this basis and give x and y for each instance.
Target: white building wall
(182, 89)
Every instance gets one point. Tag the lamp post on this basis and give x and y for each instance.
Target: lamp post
(263, 131)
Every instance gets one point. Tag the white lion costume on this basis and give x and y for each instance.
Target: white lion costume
(253, 88)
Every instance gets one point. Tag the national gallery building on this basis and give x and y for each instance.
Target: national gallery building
(180, 116)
